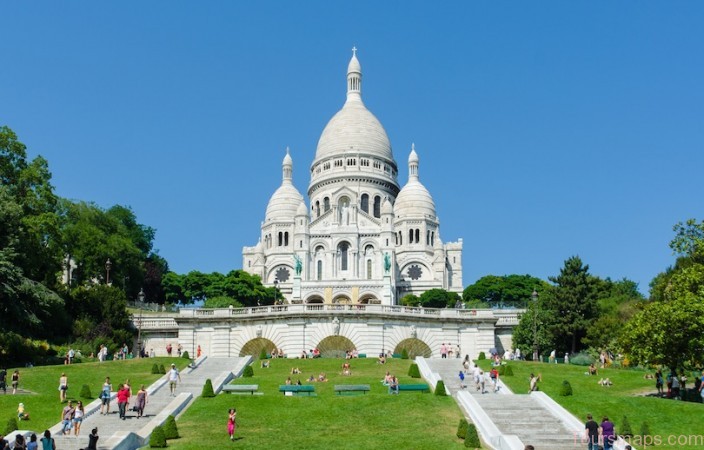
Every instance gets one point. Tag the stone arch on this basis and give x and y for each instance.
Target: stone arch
(255, 346)
(414, 347)
(315, 299)
(368, 298)
(416, 270)
(342, 299)
(335, 346)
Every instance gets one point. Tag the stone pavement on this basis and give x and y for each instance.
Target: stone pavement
(521, 415)
(129, 434)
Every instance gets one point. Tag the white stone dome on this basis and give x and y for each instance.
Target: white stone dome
(414, 200)
(286, 199)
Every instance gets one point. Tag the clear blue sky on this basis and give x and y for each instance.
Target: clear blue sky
(544, 129)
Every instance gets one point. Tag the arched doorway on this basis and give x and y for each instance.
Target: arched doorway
(255, 347)
(335, 347)
(414, 347)
(367, 299)
(342, 300)
(314, 299)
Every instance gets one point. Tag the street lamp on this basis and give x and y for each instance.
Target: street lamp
(140, 298)
(108, 265)
(534, 297)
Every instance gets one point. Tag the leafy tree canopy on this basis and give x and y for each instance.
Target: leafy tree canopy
(438, 298)
(502, 290)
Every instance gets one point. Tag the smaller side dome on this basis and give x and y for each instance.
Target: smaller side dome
(286, 199)
(387, 207)
(414, 200)
(302, 210)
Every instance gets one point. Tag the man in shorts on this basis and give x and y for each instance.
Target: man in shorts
(174, 375)
(67, 418)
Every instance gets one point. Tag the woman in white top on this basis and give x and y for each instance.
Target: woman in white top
(63, 387)
(78, 418)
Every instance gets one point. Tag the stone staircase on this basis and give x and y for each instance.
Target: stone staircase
(114, 432)
(521, 415)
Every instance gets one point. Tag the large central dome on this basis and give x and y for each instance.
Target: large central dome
(354, 129)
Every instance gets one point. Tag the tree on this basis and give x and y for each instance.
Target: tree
(523, 333)
(438, 298)
(502, 290)
(572, 306)
(410, 300)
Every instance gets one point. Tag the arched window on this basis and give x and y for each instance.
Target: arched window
(410, 236)
(326, 204)
(300, 244)
(281, 239)
(377, 206)
(432, 238)
(317, 209)
(342, 252)
(417, 236)
(369, 269)
(400, 238)
(286, 239)
(365, 203)
(320, 270)
(427, 237)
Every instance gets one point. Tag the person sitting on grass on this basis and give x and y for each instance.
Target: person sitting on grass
(346, 369)
(393, 385)
(382, 359)
(322, 378)
(592, 369)
(311, 379)
(21, 413)
(387, 379)
(288, 381)
(295, 371)
(265, 364)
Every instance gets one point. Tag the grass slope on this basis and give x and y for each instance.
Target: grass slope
(42, 403)
(410, 420)
(668, 419)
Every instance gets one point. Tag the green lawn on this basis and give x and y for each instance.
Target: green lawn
(42, 403)
(410, 420)
(668, 419)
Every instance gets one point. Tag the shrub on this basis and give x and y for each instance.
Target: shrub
(85, 392)
(262, 354)
(208, 389)
(625, 428)
(414, 371)
(506, 371)
(581, 359)
(566, 389)
(248, 372)
(471, 439)
(161, 369)
(644, 431)
(170, 428)
(11, 426)
(481, 356)
(404, 354)
(185, 355)
(440, 388)
(155, 369)
(462, 428)
(158, 438)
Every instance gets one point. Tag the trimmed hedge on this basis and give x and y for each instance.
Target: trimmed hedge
(625, 428)
(11, 426)
(158, 438)
(566, 389)
(85, 392)
(481, 356)
(404, 354)
(170, 428)
(462, 428)
(155, 369)
(208, 391)
(414, 371)
(248, 372)
(185, 355)
(644, 431)
(505, 371)
(440, 388)
(162, 370)
(471, 439)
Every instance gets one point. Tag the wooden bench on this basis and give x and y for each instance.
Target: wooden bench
(340, 388)
(297, 389)
(414, 387)
(251, 388)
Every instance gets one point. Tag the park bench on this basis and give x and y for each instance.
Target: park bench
(340, 388)
(414, 387)
(297, 389)
(240, 388)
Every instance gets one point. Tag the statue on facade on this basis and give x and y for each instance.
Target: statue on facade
(387, 262)
(259, 331)
(414, 333)
(299, 264)
(336, 326)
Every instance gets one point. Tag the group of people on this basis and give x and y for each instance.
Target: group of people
(47, 442)
(448, 350)
(600, 435)
(277, 353)
(391, 381)
(479, 377)
(312, 353)
(14, 379)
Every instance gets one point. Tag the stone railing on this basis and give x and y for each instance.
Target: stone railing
(508, 317)
(154, 323)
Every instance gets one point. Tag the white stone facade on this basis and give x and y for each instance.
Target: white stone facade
(361, 238)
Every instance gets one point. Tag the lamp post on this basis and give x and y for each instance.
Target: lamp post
(140, 298)
(108, 265)
(534, 297)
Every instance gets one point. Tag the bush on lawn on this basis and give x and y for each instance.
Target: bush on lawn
(414, 371)
(262, 354)
(566, 389)
(161, 369)
(155, 369)
(506, 371)
(481, 356)
(644, 431)
(626, 430)
(404, 354)
(440, 388)
(185, 355)
(471, 439)
(462, 428)
(11, 426)
(208, 389)
(581, 359)
(170, 428)
(248, 372)
(158, 438)
(85, 392)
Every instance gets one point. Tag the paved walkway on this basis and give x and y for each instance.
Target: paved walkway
(513, 414)
(126, 434)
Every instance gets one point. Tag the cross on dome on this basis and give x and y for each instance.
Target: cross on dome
(354, 51)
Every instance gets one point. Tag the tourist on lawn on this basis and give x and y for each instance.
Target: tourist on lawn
(21, 413)
(675, 385)
(63, 387)
(533, 382)
(387, 379)
(93, 439)
(608, 435)
(346, 369)
(123, 398)
(659, 382)
(142, 397)
(174, 376)
(567, 358)
(393, 385)
(591, 433)
(33, 444)
(78, 414)
(382, 359)
(105, 397)
(592, 369)
(48, 441)
(67, 418)
(232, 423)
(288, 381)
(15, 381)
